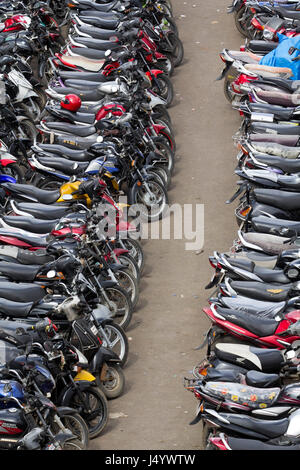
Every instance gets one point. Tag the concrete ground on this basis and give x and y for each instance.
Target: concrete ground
(155, 410)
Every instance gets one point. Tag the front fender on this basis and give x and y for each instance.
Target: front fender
(67, 393)
(103, 355)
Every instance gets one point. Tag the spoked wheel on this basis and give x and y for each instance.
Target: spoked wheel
(229, 78)
(166, 152)
(163, 87)
(114, 338)
(135, 251)
(16, 171)
(119, 304)
(128, 282)
(177, 49)
(152, 199)
(131, 264)
(242, 22)
(92, 406)
(76, 424)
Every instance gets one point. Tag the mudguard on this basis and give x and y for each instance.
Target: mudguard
(103, 355)
(67, 393)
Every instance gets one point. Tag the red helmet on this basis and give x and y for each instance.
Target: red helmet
(71, 103)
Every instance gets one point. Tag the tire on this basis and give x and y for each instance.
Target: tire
(207, 431)
(113, 386)
(165, 174)
(135, 251)
(49, 184)
(167, 66)
(167, 153)
(16, 171)
(241, 26)
(130, 263)
(96, 419)
(155, 208)
(114, 338)
(120, 305)
(129, 283)
(178, 50)
(164, 88)
(168, 139)
(231, 75)
(76, 424)
(28, 130)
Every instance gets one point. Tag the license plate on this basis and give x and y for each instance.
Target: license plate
(262, 117)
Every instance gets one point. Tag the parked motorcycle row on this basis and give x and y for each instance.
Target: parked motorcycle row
(248, 384)
(84, 94)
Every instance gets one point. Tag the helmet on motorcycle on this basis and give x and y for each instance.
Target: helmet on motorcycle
(71, 103)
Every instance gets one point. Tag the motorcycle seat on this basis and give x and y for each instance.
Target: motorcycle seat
(43, 211)
(279, 112)
(255, 358)
(68, 167)
(31, 239)
(83, 62)
(285, 200)
(85, 118)
(284, 128)
(30, 223)
(267, 70)
(110, 24)
(259, 325)
(270, 244)
(21, 292)
(60, 150)
(253, 306)
(260, 46)
(95, 32)
(67, 74)
(13, 309)
(287, 14)
(265, 224)
(77, 83)
(19, 272)
(278, 97)
(82, 131)
(259, 259)
(29, 191)
(261, 379)
(93, 43)
(251, 397)
(282, 83)
(106, 15)
(19, 255)
(88, 53)
(253, 444)
(84, 94)
(288, 166)
(279, 150)
(97, 6)
(265, 427)
(262, 290)
(286, 140)
(247, 56)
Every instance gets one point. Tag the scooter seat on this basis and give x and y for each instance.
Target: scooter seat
(259, 325)
(275, 226)
(270, 244)
(82, 131)
(286, 200)
(275, 149)
(242, 394)
(269, 428)
(288, 166)
(254, 306)
(260, 379)
(262, 290)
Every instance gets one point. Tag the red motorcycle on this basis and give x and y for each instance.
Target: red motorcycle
(267, 332)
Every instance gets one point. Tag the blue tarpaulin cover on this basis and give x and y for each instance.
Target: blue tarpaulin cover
(287, 49)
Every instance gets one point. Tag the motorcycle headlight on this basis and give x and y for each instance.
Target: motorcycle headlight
(268, 34)
(292, 273)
